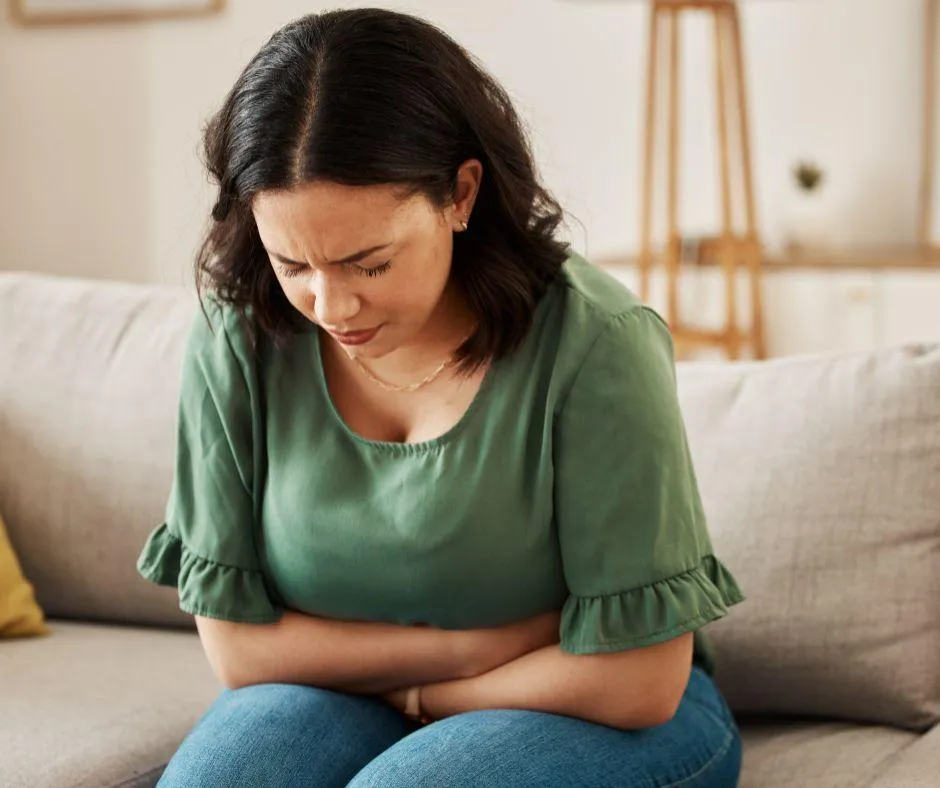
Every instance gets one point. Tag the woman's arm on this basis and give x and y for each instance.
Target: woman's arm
(632, 689)
(362, 657)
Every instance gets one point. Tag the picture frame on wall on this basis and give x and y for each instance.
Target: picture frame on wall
(62, 12)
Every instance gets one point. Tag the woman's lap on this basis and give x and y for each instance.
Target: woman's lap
(698, 748)
(281, 735)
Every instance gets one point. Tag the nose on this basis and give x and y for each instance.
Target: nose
(334, 303)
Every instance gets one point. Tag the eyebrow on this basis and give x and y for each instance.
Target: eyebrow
(353, 258)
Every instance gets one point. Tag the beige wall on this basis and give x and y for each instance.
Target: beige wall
(99, 126)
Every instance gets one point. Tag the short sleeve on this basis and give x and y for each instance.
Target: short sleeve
(636, 552)
(207, 546)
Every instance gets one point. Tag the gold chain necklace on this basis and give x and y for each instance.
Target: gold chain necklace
(447, 362)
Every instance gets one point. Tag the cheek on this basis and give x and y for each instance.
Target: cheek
(428, 279)
(418, 295)
(297, 291)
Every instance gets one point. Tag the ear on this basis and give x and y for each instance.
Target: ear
(469, 178)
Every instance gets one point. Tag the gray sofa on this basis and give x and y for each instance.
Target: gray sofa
(821, 478)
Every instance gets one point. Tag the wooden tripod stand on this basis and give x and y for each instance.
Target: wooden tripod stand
(736, 247)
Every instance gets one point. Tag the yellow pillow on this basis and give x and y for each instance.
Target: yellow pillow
(20, 615)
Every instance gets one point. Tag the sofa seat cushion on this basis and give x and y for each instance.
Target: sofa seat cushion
(802, 754)
(98, 706)
(917, 766)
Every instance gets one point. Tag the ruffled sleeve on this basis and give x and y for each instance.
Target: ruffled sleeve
(208, 546)
(636, 552)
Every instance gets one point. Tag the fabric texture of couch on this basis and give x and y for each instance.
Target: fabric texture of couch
(820, 476)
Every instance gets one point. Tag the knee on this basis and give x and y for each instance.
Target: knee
(460, 750)
(292, 729)
(274, 703)
(241, 724)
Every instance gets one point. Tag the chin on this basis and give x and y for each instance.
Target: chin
(367, 352)
(378, 347)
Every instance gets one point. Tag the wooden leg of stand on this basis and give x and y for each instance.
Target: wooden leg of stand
(754, 253)
(744, 131)
(673, 260)
(649, 155)
(727, 244)
(755, 268)
(672, 216)
(729, 266)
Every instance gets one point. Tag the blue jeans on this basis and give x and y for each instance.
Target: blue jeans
(287, 735)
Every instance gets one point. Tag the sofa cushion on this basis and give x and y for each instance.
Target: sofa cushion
(804, 754)
(20, 616)
(98, 706)
(87, 426)
(821, 480)
(917, 766)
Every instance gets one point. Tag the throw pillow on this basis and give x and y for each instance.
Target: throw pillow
(20, 615)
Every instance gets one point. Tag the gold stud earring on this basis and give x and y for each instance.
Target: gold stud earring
(463, 226)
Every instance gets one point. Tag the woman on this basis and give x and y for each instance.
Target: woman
(433, 508)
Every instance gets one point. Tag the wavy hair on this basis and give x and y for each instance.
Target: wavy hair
(370, 96)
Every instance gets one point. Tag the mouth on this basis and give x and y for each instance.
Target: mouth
(355, 337)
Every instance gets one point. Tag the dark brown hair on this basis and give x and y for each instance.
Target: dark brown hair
(369, 96)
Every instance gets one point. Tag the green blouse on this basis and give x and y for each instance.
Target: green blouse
(567, 484)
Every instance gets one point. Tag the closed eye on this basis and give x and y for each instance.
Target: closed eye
(290, 270)
(376, 271)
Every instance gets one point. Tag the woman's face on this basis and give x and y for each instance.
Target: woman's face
(360, 262)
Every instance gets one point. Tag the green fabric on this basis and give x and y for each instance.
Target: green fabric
(567, 484)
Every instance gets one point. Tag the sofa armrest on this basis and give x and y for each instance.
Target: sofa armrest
(916, 766)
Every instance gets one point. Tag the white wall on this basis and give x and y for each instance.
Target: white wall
(99, 126)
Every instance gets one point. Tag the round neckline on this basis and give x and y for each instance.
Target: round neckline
(396, 446)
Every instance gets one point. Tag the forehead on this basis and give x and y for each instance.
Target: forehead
(322, 211)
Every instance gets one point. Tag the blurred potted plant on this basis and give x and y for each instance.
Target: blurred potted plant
(808, 175)
(808, 223)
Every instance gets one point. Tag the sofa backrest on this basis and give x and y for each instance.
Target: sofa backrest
(821, 480)
(820, 477)
(89, 374)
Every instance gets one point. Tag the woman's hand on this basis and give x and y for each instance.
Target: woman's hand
(396, 699)
(483, 650)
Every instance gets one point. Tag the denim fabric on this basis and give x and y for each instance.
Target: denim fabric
(285, 735)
